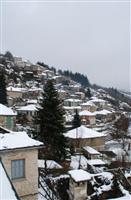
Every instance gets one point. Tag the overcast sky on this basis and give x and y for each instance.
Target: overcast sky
(89, 37)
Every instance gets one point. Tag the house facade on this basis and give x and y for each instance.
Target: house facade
(7, 117)
(19, 154)
(83, 136)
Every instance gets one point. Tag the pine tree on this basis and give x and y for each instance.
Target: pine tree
(51, 124)
(76, 121)
(88, 93)
(3, 95)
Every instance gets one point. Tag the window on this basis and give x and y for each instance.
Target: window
(17, 169)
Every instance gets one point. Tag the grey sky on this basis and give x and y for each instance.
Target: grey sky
(89, 37)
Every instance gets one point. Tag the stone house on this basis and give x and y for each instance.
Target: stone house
(78, 184)
(87, 117)
(80, 95)
(104, 115)
(19, 154)
(16, 92)
(28, 111)
(72, 102)
(7, 117)
(83, 136)
(89, 106)
(100, 103)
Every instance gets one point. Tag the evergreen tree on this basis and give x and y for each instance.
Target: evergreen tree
(76, 121)
(3, 95)
(88, 93)
(9, 56)
(51, 124)
(115, 189)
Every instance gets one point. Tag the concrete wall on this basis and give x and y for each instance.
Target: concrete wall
(27, 188)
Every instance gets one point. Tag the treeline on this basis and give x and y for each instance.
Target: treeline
(78, 77)
(118, 95)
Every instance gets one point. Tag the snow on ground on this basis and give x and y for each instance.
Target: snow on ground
(127, 197)
(6, 190)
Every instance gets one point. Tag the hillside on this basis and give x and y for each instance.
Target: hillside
(22, 72)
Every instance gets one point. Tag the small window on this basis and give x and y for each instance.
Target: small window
(17, 169)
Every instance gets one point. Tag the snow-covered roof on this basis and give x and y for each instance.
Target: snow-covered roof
(51, 164)
(73, 100)
(72, 108)
(16, 89)
(96, 100)
(32, 101)
(102, 112)
(95, 162)
(86, 113)
(91, 150)
(7, 191)
(83, 132)
(88, 103)
(6, 111)
(34, 89)
(79, 175)
(16, 140)
(30, 107)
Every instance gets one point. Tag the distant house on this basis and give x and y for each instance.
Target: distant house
(87, 117)
(19, 154)
(78, 184)
(72, 102)
(7, 117)
(29, 111)
(104, 115)
(16, 92)
(83, 136)
(80, 95)
(90, 106)
(100, 103)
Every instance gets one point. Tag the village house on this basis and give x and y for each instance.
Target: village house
(19, 62)
(19, 155)
(29, 111)
(75, 87)
(104, 115)
(80, 95)
(72, 102)
(62, 93)
(78, 184)
(16, 92)
(100, 103)
(71, 110)
(7, 117)
(90, 106)
(87, 117)
(83, 136)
